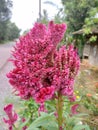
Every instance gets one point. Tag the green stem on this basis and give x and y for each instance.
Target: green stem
(60, 110)
(14, 127)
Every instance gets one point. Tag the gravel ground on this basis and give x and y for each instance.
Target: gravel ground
(5, 91)
(5, 88)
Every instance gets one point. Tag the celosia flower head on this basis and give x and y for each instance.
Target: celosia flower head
(40, 69)
(12, 116)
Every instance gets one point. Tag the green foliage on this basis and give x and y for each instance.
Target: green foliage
(87, 31)
(47, 121)
(89, 28)
(92, 38)
(87, 6)
(3, 31)
(8, 30)
(77, 12)
(58, 18)
(12, 31)
(5, 12)
(78, 15)
(22, 124)
(5, 15)
(25, 32)
(75, 122)
(81, 127)
(29, 110)
(44, 122)
(90, 103)
(44, 17)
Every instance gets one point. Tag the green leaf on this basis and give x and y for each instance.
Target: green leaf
(81, 127)
(87, 30)
(45, 120)
(81, 115)
(24, 124)
(93, 38)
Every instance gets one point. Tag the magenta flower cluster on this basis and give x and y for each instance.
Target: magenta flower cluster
(41, 68)
(12, 116)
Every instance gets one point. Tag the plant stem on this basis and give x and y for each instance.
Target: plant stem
(14, 127)
(60, 111)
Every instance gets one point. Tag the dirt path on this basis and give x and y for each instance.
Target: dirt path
(5, 88)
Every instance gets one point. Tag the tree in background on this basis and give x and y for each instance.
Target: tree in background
(12, 31)
(78, 14)
(5, 10)
(5, 15)
(8, 30)
(44, 17)
(58, 18)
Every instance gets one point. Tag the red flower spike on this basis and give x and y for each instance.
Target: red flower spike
(12, 116)
(40, 69)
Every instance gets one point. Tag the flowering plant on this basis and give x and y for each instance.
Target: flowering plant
(43, 72)
(12, 116)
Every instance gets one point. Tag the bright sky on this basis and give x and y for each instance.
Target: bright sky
(25, 12)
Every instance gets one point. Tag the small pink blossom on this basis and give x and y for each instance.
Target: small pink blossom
(42, 108)
(56, 114)
(72, 98)
(12, 116)
(24, 128)
(74, 109)
(23, 120)
(45, 94)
